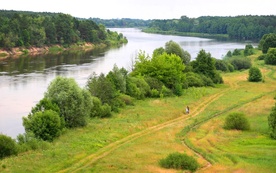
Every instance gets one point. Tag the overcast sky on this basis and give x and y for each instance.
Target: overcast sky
(144, 9)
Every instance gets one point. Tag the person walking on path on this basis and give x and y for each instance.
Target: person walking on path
(187, 110)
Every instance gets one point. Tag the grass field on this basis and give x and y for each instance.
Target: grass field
(139, 136)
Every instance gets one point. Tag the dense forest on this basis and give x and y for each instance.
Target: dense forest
(19, 28)
(239, 27)
(124, 22)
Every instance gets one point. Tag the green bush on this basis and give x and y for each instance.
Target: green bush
(236, 121)
(240, 63)
(179, 161)
(272, 122)
(261, 57)
(271, 56)
(194, 80)
(8, 146)
(255, 74)
(44, 125)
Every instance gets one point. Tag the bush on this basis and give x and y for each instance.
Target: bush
(70, 99)
(240, 63)
(255, 74)
(261, 57)
(236, 121)
(28, 141)
(44, 125)
(179, 161)
(8, 146)
(194, 80)
(271, 56)
(272, 122)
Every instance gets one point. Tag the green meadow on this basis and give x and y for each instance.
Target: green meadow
(135, 139)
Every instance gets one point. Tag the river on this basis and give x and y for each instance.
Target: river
(23, 81)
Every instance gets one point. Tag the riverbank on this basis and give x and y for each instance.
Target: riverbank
(223, 37)
(54, 49)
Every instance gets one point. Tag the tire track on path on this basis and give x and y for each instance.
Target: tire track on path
(92, 158)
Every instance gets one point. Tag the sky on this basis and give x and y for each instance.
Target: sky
(144, 9)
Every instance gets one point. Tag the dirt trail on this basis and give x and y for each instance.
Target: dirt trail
(90, 159)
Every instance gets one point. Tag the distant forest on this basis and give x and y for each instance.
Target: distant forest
(239, 27)
(19, 28)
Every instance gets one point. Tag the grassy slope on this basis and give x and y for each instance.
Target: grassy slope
(135, 139)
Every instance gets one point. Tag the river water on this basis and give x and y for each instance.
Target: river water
(24, 80)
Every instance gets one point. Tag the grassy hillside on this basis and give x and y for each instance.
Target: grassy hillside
(139, 136)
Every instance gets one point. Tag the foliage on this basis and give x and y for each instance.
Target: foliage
(239, 27)
(255, 74)
(270, 57)
(28, 141)
(137, 87)
(272, 122)
(8, 146)
(249, 50)
(118, 78)
(44, 125)
(69, 97)
(179, 161)
(38, 29)
(267, 41)
(172, 47)
(221, 65)
(102, 87)
(240, 63)
(165, 68)
(205, 65)
(261, 57)
(194, 80)
(236, 121)
(100, 110)
(236, 52)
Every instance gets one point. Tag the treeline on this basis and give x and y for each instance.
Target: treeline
(19, 28)
(239, 27)
(122, 23)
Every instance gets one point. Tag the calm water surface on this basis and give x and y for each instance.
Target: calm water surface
(23, 81)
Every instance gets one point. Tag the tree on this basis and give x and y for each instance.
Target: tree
(101, 87)
(270, 57)
(167, 68)
(45, 125)
(205, 65)
(172, 47)
(267, 41)
(272, 122)
(69, 97)
(255, 74)
(7, 146)
(248, 50)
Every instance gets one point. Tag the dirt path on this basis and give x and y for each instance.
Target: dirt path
(90, 159)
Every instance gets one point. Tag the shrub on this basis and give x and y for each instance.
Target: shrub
(7, 146)
(255, 74)
(28, 141)
(69, 97)
(221, 65)
(236, 121)
(261, 57)
(240, 63)
(44, 125)
(179, 161)
(271, 56)
(272, 122)
(248, 50)
(194, 80)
